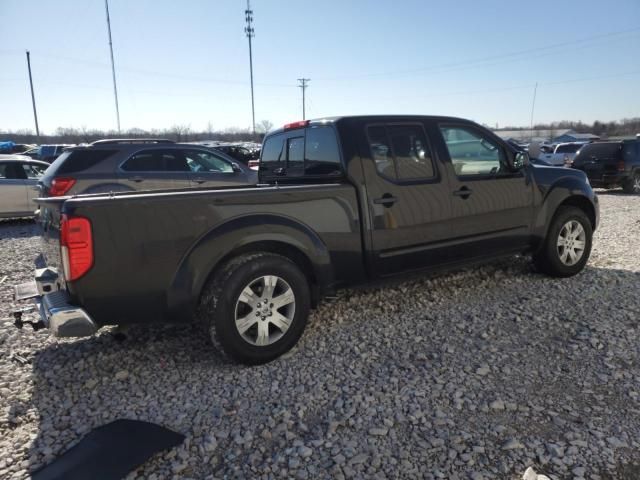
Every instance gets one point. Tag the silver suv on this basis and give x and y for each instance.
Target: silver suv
(149, 164)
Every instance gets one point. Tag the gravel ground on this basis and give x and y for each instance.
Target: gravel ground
(476, 374)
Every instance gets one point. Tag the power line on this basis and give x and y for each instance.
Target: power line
(473, 63)
(303, 84)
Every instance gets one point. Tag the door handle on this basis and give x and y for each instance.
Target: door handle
(464, 193)
(136, 179)
(199, 180)
(387, 200)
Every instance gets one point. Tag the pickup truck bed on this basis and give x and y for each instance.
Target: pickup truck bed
(343, 201)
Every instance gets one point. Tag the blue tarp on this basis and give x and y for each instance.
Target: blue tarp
(6, 146)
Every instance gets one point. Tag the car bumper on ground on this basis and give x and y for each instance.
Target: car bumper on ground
(54, 306)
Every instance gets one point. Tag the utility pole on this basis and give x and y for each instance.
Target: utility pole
(33, 97)
(304, 83)
(113, 67)
(250, 33)
(533, 106)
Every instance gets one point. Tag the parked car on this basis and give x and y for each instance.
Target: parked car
(563, 154)
(18, 178)
(248, 155)
(611, 164)
(333, 209)
(127, 165)
(32, 152)
(48, 153)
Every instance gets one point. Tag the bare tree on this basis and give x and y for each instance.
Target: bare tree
(264, 126)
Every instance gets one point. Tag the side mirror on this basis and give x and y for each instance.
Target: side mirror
(520, 160)
(235, 167)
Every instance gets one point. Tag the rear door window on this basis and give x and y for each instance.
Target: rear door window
(401, 152)
(156, 161)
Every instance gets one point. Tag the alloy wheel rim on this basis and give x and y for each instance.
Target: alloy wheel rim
(571, 243)
(264, 310)
(636, 183)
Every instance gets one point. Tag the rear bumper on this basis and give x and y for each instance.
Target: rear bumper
(64, 319)
(57, 313)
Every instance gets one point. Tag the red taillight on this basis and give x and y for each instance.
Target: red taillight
(60, 186)
(621, 166)
(253, 164)
(76, 241)
(300, 124)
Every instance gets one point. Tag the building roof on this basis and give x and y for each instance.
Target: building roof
(535, 133)
(583, 136)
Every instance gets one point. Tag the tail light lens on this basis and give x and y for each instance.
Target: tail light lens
(76, 242)
(61, 185)
(621, 166)
(253, 164)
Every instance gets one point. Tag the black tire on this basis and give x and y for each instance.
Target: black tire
(217, 309)
(632, 184)
(547, 259)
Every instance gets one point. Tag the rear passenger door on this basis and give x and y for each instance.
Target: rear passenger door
(409, 199)
(155, 169)
(13, 189)
(492, 203)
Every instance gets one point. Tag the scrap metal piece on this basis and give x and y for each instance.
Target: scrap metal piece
(110, 452)
(25, 290)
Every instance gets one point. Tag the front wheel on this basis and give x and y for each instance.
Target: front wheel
(566, 249)
(632, 184)
(256, 307)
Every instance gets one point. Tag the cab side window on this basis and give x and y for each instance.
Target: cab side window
(312, 151)
(401, 152)
(472, 153)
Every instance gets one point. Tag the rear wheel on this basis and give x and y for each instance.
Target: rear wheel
(632, 184)
(256, 307)
(568, 244)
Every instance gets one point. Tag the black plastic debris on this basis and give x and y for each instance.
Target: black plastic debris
(110, 452)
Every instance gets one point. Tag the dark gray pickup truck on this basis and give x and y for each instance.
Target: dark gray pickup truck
(341, 201)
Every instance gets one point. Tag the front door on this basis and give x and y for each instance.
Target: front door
(408, 195)
(492, 203)
(210, 170)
